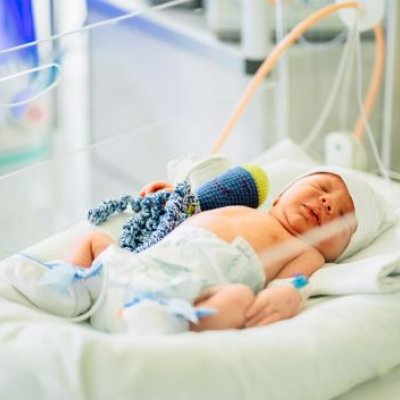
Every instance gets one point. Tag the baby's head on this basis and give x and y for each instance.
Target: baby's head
(332, 194)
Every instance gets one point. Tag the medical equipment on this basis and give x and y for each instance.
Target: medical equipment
(371, 16)
(224, 18)
(24, 77)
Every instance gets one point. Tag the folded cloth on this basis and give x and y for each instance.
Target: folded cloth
(376, 274)
(375, 269)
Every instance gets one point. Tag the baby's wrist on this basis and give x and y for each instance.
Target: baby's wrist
(301, 283)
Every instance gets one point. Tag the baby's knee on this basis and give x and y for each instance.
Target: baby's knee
(96, 241)
(100, 241)
(97, 237)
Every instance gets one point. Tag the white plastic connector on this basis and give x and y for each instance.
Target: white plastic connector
(343, 150)
(367, 16)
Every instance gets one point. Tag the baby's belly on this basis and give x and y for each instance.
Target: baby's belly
(261, 231)
(229, 223)
(222, 228)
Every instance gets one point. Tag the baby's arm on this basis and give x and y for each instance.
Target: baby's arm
(306, 263)
(276, 303)
(273, 304)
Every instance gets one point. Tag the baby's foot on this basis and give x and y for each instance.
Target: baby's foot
(149, 317)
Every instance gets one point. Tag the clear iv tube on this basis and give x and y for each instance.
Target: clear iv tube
(282, 100)
(323, 115)
(271, 61)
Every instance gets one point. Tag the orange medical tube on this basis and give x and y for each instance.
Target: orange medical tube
(270, 62)
(375, 83)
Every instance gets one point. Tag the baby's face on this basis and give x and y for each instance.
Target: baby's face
(314, 201)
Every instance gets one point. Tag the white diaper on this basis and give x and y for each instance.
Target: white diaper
(188, 253)
(182, 265)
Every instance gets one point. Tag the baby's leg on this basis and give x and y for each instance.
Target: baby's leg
(231, 302)
(86, 249)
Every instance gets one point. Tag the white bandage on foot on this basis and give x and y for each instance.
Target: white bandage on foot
(152, 318)
(24, 275)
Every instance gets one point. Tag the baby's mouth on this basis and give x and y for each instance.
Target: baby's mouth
(313, 214)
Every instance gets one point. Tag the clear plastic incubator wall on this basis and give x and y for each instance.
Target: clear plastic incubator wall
(97, 97)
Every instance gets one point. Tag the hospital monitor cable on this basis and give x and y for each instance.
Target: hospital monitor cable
(339, 76)
(373, 90)
(269, 63)
(283, 46)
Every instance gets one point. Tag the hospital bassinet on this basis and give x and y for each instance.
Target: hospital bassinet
(344, 344)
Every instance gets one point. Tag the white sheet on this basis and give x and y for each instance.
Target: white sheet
(329, 348)
(321, 353)
(326, 350)
(385, 387)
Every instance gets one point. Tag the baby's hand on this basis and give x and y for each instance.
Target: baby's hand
(273, 304)
(155, 187)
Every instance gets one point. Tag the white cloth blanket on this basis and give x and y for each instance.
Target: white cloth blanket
(375, 269)
(326, 350)
(379, 274)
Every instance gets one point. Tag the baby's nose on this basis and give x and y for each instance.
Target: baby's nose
(328, 204)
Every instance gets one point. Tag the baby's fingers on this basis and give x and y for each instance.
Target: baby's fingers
(266, 320)
(259, 304)
(253, 321)
(254, 309)
(154, 187)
